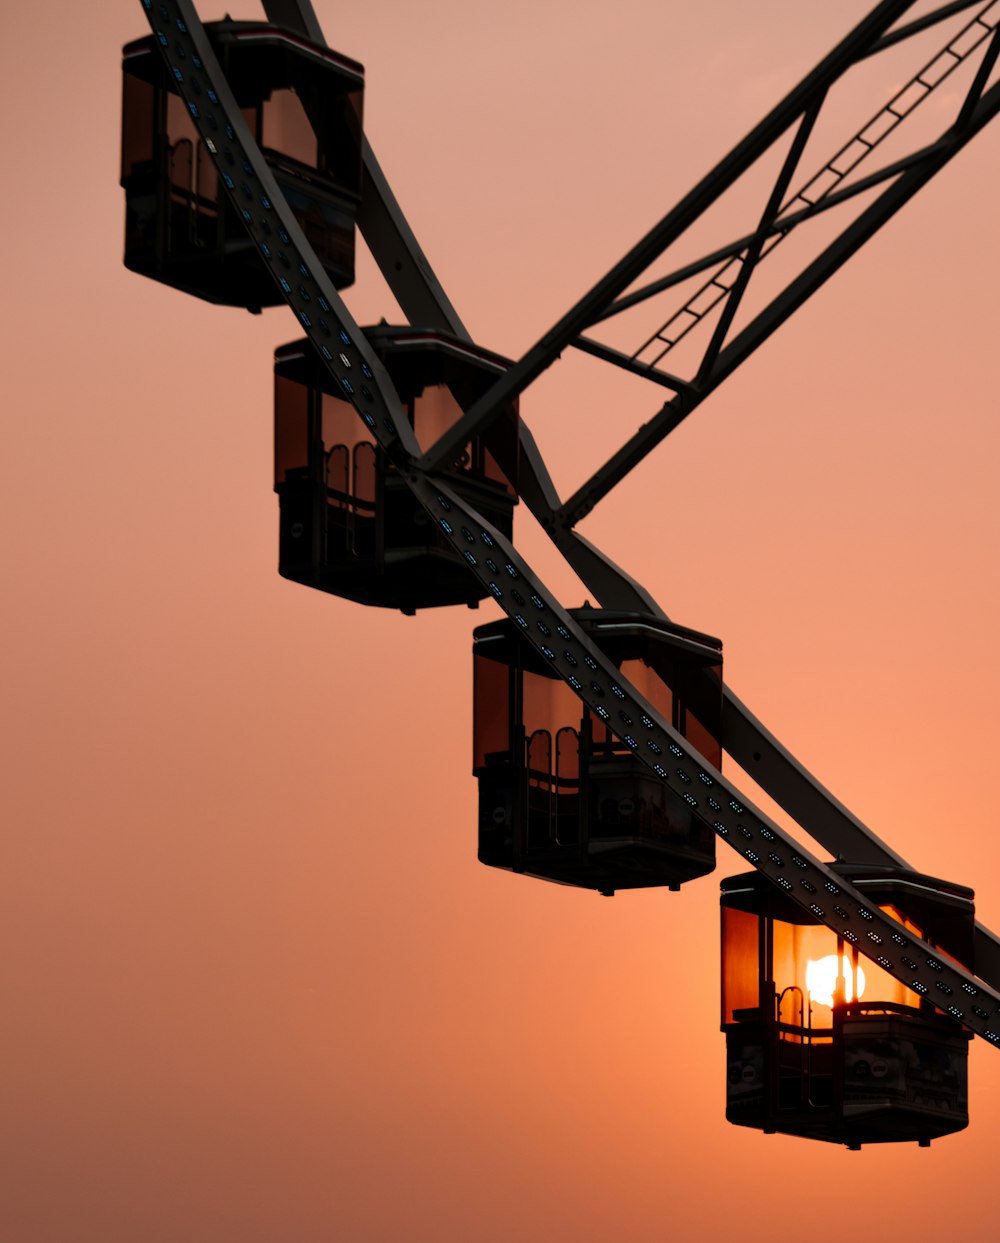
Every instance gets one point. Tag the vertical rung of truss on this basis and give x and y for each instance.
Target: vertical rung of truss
(708, 296)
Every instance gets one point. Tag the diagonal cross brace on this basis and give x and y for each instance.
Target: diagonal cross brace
(852, 48)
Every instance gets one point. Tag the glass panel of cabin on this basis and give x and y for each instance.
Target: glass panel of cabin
(338, 476)
(540, 757)
(540, 747)
(349, 451)
(703, 739)
(206, 182)
(794, 947)
(568, 757)
(548, 704)
(876, 986)
(603, 740)
(492, 471)
(435, 410)
(291, 429)
(138, 118)
(649, 684)
(182, 136)
(341, 428)
(539, 805)
(567, 785)
(491, 717)
(740, 965)
(286, 130)
(251, 115)
(806, 969)
(702, 698)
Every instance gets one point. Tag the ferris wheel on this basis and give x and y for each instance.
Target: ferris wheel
(850, 988)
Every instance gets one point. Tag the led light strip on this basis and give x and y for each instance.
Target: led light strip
(543, 622)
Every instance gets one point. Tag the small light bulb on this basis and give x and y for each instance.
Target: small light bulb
(821, 979)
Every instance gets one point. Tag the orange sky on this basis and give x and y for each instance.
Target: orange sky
(256, 985)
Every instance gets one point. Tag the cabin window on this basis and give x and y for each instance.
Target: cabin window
(286, 129)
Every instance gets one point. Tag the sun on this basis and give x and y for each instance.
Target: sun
(821, 979)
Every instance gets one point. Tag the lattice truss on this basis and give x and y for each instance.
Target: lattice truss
(724, 276)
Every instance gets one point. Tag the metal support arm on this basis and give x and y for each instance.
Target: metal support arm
(396, 250)
(856, 45)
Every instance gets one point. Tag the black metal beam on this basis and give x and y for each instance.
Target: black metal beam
(609, 355)
(753, 252)
(784, 225)
(400, 259)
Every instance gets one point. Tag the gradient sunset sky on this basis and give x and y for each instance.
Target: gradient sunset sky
(256, 986)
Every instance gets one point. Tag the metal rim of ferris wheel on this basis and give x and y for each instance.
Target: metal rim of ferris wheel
(561, 643)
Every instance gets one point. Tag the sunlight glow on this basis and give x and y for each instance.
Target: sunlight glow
(821, 979)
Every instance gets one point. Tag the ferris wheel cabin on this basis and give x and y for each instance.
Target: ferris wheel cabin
(349, 523)
(303, 106)
(821, 1041)
(561, 797)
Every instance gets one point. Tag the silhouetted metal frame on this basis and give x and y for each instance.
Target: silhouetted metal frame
(800, 106)
(719, 367)
(543, 622)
